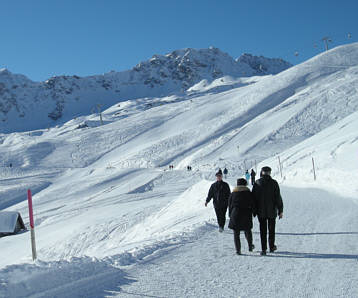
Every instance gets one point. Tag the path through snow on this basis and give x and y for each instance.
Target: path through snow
(317, 257)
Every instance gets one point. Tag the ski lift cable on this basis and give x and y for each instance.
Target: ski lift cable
(318, 45)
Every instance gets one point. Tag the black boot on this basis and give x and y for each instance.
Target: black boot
(273, 248)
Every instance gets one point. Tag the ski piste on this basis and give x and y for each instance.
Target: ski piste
(111, 219)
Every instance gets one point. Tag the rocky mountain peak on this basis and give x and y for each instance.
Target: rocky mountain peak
(64, 97)
(263, 65)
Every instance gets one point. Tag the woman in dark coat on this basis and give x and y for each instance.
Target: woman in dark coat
(241, 206)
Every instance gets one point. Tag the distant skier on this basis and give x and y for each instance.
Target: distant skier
(241, 207)
(225, 172)
(247, 175)
(219, 192)
(253, 175)
(268, 204)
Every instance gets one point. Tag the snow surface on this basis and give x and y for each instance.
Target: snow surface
(112, 220)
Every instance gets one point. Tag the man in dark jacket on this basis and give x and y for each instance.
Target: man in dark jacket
(253, 175)
(268, 204)
(219, 192)
(241, 205)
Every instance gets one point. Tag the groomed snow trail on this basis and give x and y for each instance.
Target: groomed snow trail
(317, 257)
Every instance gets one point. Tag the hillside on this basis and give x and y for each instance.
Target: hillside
(27, 105)
(111, 219)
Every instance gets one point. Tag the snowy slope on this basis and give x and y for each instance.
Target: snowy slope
(27, 105)
(334, 151)
(112, 217)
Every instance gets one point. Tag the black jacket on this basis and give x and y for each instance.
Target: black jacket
(241, 204)
(220, 192)
(253, 174)
(267, 197)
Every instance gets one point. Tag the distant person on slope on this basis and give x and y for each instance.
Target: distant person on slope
(219, 192)
(225, 172)
(241, 206)
(268, 204)
(247, 175)
(253, 175)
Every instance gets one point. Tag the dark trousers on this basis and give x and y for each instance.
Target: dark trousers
(271, 223)
(221, 216)
(248, 236)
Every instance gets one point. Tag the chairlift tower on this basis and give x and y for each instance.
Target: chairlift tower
(326, 39)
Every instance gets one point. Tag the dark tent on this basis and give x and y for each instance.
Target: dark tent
(10, 223)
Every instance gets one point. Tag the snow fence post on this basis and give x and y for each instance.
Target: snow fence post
(32, 225)
(314, 170)
(280, 166)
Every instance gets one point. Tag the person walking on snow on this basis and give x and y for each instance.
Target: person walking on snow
(225, 172)
(241, 206)
(267, 205)
(219, 192)
(247, 175)
(253, 175)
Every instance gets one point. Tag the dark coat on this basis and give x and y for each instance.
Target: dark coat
(267, 197)
(219, 192)
(253, 174)
(241, 205)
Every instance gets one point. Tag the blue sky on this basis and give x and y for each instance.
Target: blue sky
(45, 38)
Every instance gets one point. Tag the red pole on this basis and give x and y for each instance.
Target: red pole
(31, 213)
(32, 225)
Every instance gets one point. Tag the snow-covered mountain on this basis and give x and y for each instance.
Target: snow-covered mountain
(28, 105)
(111, 219)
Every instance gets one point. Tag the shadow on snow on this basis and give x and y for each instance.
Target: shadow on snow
(300, 255)
(318, 233)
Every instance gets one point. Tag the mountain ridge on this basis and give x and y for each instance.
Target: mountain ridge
(61, 98)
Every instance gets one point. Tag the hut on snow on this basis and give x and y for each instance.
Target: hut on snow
(10, 223)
